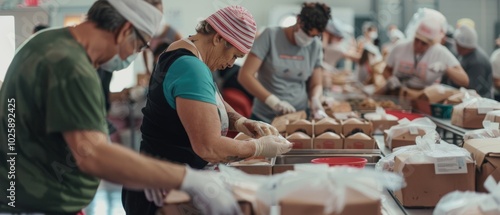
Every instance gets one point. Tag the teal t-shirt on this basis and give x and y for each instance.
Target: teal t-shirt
(55, 89)
(185, 78)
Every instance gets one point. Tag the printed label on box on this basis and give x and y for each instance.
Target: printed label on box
(450, 165)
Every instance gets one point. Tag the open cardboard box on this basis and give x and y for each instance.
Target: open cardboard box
(486, 153)
(327, 124)
(424, 188)
(179, 203)
(355, 143)
(365, 126)
(300, 125)
(280, 122)
(304, 142)
(299, 203)
(422, 99)
(324, 141)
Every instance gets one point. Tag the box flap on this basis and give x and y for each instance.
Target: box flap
(481, 148)
(280, 122)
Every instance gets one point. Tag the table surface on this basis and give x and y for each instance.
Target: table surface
(446, 124)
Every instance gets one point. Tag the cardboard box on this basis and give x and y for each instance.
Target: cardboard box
(405, 139)
(300, 142)
(382, 125)
(325, 141)
(300, 125)
(354, 143)
(255, 166)
(493, 116)
(486, 153)
(280, 122)
(468, 117)
(424, 188)
(178, 203)
(338, 107)
(327, 124)
(458, 98)
(299, 203)
(365, 127)
(422, 99)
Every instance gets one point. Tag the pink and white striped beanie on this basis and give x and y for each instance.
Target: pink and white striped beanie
(236, 25)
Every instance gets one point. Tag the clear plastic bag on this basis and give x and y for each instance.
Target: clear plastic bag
(314, 178)
(425, 151)
(406, 125)
(459, 202)
(491, 130)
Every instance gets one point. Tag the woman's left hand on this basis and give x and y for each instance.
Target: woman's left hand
(255, 129)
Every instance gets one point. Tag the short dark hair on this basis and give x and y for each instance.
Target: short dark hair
(39, 27)
(105, 16)
(314, 15)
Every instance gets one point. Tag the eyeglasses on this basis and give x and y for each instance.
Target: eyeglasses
(144, 42)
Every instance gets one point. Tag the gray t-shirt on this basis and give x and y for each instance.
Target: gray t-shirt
(428, 70)
(478, 68)
(285, 69)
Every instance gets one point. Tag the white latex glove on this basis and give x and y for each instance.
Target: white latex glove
(271, 146)
(254, 129)
(209, 192)
(393, 82)
(279, 106)
(156, 195)
(317, 109)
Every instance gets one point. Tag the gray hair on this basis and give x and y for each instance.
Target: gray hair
(205, 28)
(105, 16)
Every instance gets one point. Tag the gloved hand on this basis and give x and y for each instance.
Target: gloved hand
(282, 107)
(254, 129)
(393, 83)
(271, 146)
(209, 192)
(317, 109)
(156, 195)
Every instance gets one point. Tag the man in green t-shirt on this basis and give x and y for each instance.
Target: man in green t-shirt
(53, 138)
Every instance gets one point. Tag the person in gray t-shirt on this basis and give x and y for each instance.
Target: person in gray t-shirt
(288, 64)
(474, 61)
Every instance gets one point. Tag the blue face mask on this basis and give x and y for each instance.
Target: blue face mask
(116, 63)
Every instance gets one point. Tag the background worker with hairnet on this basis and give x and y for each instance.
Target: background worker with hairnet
(495, 64)
(474, 61)
(420, 62)
(288, 62)
(61, 134)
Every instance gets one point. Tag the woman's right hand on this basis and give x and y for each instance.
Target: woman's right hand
(271, 146)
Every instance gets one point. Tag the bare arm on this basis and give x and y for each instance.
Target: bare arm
(232, 115)
(95, 156)
(247, 78)
(458, 76)
(202, 124)
(315, 84)
(387, 72)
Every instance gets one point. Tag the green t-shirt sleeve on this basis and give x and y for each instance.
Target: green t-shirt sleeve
(189, 78)
(74, 99)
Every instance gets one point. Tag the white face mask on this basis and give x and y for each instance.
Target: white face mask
(373, 35)
(116, 63)
(302, 39)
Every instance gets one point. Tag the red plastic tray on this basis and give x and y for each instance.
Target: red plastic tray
(342, 161)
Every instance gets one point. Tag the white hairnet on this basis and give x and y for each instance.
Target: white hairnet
(335, 27)
(143, 16)
(396, 34)
(466, 37)
(424, 14)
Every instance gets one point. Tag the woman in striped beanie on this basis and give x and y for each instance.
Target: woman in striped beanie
(186, 119)
(289, 66)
